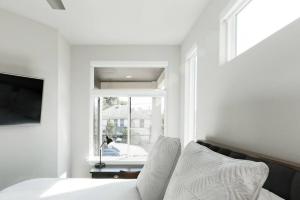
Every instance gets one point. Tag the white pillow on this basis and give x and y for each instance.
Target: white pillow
(267, 195)
(155, 176)
(206, 175)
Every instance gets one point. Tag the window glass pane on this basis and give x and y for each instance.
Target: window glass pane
(261, 18)
(114, 123)
(147, 123)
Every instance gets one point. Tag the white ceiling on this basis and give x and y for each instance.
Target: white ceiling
(115, 21)
(108, 74)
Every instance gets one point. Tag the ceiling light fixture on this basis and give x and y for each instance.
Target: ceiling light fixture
(128, 76)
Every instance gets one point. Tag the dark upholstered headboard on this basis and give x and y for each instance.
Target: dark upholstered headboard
(283, 179)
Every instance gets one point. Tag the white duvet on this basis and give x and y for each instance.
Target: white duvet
(72, 189)
(83, 189)
(267, 195)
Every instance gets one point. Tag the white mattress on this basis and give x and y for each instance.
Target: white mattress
(72, 189)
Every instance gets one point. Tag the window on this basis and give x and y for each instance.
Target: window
(248, 22)
(134, 124)
(190, 97)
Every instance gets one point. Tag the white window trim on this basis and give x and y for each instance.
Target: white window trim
(228, 39)
(92, 160)
(190, 101)
(128, 93)
(124, 92)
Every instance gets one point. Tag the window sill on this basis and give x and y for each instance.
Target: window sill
(118, 160)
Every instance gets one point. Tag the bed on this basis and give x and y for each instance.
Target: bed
(72, 189)
(283, 181)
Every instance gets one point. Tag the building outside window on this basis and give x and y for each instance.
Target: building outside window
(142, 123)
(121, 122)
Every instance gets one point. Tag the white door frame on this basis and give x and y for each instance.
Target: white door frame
(190, 100)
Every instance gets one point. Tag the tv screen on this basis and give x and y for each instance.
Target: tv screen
(20, 99)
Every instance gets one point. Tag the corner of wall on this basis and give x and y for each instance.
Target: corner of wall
(64, 110)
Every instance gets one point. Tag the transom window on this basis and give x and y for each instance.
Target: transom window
(248, 22)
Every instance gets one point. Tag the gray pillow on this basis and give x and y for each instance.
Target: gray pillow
(155, 176)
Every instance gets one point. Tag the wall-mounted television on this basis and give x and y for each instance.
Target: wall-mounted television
(20, 99)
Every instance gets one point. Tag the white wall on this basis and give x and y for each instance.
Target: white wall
(30, 49)
(81, 79)
(252, 102)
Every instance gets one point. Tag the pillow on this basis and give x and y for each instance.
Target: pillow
(155, 176)
(203, 174)
(267, 195)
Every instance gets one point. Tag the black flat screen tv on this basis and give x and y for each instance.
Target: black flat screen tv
(20, 99)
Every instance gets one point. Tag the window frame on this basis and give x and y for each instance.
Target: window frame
(99, 94)
(228, 30)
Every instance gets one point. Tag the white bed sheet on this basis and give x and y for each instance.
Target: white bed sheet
(72, 189)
